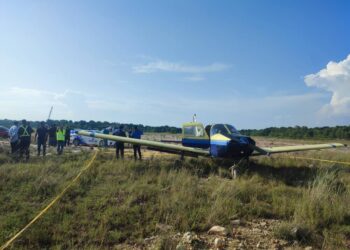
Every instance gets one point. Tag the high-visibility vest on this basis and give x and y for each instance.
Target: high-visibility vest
(60, 135)
(25, 132)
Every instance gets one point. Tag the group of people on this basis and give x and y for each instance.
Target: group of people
(58, 136)
(135, 133)
(21, 136)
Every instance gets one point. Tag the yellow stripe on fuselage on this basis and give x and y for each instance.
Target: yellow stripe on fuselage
(219, 137)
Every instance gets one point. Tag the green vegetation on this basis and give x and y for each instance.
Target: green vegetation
(297, 132)
(125, 201)
(100, 125)
(338, 132)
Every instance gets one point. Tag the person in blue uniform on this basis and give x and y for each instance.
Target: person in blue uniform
(136, 134)
(41, 138)
(52, 135)
(67, 137)
(119, 146)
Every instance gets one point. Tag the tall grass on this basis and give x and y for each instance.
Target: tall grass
(321, 215)
(125, 201)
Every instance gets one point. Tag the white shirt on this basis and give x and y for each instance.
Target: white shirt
(13, 132)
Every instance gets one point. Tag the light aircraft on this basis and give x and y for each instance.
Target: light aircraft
(221, 141)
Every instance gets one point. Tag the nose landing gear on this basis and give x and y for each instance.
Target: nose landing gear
(239, 166)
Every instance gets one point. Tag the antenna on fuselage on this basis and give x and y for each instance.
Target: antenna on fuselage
(194, 118)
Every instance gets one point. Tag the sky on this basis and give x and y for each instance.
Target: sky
(253, 64)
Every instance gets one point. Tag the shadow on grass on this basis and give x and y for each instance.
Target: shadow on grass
(292, 176)
(203, 167)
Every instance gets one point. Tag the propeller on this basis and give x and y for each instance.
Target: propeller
(247, 141)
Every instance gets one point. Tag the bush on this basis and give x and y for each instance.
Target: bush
(324, 203)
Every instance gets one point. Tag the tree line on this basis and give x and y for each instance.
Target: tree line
(98, 125)
(297, 132)
(302, 132)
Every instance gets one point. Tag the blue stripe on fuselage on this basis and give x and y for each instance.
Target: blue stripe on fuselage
(197, 143)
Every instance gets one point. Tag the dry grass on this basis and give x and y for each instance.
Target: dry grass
(125, 201)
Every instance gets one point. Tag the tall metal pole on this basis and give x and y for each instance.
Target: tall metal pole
(50, 113)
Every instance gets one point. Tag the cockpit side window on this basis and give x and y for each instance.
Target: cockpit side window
(195, 131)
(189, 131)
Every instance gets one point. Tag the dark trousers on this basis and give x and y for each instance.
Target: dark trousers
(24, 147)
(137, 150)
(14, 147)
(42, 143)
(119, 148)
(60, 146)
(52, 141)
(67, 141)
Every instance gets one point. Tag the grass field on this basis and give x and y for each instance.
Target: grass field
(137, 205)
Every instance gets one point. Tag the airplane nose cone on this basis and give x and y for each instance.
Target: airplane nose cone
(244, 140)
(241, 146)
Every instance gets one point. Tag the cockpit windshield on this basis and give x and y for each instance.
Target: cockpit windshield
(232, 129)
(224, 129)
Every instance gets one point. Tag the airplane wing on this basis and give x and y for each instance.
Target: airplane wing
(287, 149)
(161, 146)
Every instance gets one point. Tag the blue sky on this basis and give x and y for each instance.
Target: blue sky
(253, 64)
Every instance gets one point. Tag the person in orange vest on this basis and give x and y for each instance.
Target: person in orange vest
(61, 137)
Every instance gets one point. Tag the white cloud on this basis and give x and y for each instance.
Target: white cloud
(335, 78)
(166, 66)
(36, 93)
(34, 104)
(195, 78)
(30, 103)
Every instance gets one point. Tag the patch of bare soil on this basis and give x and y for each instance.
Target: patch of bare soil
(255, 234)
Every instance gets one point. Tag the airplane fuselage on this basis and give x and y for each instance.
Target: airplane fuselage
(221, 140)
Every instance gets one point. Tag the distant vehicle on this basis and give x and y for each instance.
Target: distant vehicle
(4, 132)
(82, 140)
